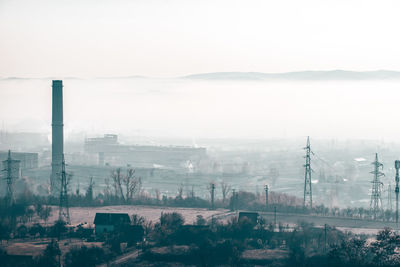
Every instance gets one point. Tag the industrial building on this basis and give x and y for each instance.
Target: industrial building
(27, 160)
(110, 151)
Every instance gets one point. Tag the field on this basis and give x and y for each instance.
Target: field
(37, 246)
(87, 214)
(153, 213)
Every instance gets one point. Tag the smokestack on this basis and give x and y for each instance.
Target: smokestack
(57, 144)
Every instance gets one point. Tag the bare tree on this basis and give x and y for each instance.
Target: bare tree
(158, 194)
(126, 186)
(89, 191)
(45, 213)
(225, 189)
(117, 183)
(78, 188)
(192, 193)
(107, 189)
(132, 184)
(137, 220)
(180, 192)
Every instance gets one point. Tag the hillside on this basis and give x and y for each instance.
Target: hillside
(300, 75)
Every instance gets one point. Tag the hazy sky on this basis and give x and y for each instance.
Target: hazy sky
(172, 38)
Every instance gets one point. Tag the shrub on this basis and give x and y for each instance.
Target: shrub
(85, 256)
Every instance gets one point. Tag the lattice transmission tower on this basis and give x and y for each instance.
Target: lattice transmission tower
(307, 176)
(396, 190)
(63, 208)
(376, 199)
(11, 168)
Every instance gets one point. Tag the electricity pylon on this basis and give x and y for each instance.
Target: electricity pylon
(11, 166)
(376, 200)
(63, 208)
(396, 190)
(307, 176)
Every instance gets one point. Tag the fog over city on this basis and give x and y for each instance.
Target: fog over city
(199, 133)
(200, 108)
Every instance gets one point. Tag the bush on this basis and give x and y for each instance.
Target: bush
(171, 220)
(85, 256)
(58, 229)
(37, 229)
(165, 229)
(50, 256)
(22, 231)
(200, 220)
(209, 254)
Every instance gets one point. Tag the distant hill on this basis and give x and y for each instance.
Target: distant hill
(300, 75)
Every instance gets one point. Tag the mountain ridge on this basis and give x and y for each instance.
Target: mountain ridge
(299, 75)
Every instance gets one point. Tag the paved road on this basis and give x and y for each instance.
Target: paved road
(122, 259)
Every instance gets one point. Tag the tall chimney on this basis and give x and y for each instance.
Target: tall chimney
(57, 145)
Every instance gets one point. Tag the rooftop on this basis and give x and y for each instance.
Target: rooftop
(112, 218)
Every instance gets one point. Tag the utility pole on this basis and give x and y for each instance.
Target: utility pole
(325, 238)
(307, 176)
(266, 196)
(396, 190)
(212, 195)
(376, 200)
(11, 167)
(235, 198)
(275, 217)
(63, 208)
(389, 205)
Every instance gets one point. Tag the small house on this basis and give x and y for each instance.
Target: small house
(110, 222)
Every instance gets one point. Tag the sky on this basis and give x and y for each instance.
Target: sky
(170, 38)
(55, 39)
